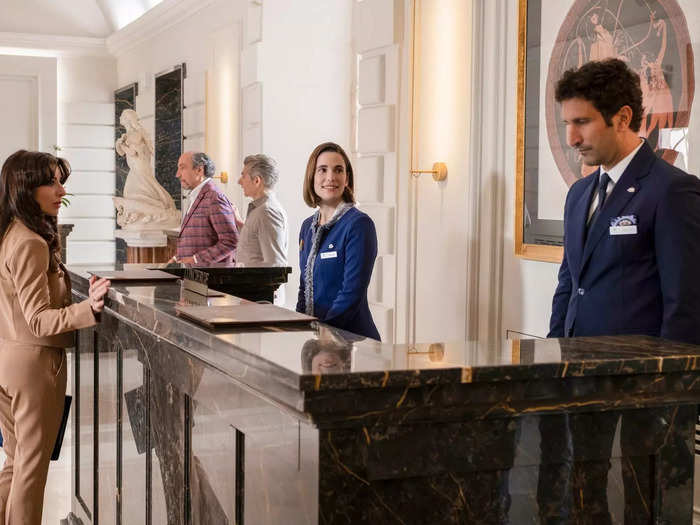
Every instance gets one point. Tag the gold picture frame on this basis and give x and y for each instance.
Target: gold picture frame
(653, 40)
(537, 252)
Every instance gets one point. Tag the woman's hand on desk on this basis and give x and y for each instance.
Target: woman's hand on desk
(98, 290)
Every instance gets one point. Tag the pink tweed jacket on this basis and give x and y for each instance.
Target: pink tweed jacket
(209, 229)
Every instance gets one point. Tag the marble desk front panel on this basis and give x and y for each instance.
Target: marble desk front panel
(315, 425)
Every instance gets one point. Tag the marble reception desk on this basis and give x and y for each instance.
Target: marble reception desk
(310, 425)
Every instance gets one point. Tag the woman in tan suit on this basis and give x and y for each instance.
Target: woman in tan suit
(37, 322)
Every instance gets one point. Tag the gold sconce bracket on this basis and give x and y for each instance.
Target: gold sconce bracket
(436, 352)
(439, 172)
(223, 177)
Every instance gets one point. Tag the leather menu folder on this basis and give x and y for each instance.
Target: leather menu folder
(246, 314)
(135, 275)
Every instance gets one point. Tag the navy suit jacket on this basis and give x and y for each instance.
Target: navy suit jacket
(340, 282)
(643, 283)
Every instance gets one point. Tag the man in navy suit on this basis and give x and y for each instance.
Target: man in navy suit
(631, 246)
(632, 228)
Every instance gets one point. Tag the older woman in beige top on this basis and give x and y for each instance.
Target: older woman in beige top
(37, 322)
(263, 237)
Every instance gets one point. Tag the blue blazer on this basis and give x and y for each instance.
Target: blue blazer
(641, 283)
(342, 271)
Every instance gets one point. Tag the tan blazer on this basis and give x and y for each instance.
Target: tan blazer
(35, 299)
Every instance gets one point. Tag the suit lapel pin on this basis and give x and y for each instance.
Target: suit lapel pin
(631, 189)
(330, 246)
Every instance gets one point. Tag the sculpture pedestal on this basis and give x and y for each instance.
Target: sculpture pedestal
(145, 246)
(64, 230)
(172, 238)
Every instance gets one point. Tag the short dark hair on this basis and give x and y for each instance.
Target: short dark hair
(608, 85)
(310, 197)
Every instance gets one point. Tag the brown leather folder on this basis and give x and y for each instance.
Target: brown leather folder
(135, 275)
(247, 314)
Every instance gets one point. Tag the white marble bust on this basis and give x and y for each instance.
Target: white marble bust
(146, 205)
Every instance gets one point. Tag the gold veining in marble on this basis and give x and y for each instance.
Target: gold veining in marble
(385, 380)
(467, 375)
(336, 456)
(403, 397)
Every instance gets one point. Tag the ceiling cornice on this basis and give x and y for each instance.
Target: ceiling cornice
(54, 45)
(152, 22)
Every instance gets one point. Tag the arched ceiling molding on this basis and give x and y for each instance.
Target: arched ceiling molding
(155, 21)
(121, 13)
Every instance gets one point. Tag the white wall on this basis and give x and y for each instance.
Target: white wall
(75, 112)
(442, 107)
(43, 73)
(379, 44)
(304, 63)
(86, 79)
(86, 135)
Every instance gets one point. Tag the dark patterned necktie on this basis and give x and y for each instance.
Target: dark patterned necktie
(604, 179)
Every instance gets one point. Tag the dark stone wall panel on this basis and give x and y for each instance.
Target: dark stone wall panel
(168, 139)
(124, 98)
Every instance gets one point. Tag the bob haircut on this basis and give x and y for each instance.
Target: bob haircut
(22, 173)
(310, 197)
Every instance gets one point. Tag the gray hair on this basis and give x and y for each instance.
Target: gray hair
(203, 160)
(264, 167)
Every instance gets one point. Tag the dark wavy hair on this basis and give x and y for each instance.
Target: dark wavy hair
(21, 174)
(608, 85)
(310, 197)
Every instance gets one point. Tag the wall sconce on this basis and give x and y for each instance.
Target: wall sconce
(435, 352)
(439, 172)
(223, 177)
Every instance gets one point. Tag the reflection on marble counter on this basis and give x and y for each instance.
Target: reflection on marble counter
(367, 363)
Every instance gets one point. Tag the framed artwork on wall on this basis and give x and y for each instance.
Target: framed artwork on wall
(653, 38)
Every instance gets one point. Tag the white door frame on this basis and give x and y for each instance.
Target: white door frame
(45, 71)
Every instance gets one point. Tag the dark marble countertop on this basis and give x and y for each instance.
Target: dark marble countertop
(319, 357)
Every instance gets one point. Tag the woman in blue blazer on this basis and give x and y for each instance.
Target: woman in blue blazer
(337, 246)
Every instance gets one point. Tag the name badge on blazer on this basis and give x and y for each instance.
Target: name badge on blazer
(329, 255)
(623, 225)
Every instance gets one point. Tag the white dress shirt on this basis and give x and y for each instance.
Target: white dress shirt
(192, 196)
(614, 173)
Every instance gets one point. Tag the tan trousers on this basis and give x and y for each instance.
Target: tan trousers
(32, 396)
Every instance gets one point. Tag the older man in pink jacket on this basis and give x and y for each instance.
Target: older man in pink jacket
(208, 233)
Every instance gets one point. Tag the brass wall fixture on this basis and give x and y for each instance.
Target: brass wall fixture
(439, 172)
(223, 177)
(435, 352)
